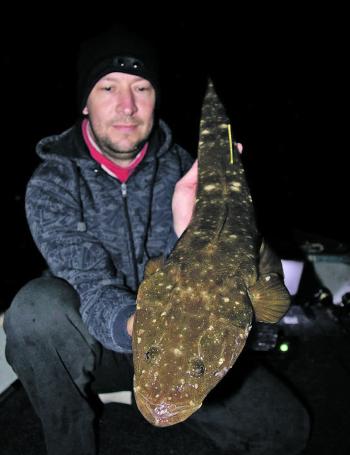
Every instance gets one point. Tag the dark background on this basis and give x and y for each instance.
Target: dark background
(279, 73)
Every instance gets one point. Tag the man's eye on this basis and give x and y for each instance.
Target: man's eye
(143, 88)
(107, 88)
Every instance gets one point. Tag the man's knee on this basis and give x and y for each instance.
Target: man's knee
(39, 305)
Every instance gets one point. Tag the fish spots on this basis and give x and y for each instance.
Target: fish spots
(226, 299)
(210, 187)
(236, 186)
(178, 352)
(216, 340)
(267, 278)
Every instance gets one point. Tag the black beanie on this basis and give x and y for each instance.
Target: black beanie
(119, 49)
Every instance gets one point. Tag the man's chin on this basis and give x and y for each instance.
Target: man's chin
(121, 152)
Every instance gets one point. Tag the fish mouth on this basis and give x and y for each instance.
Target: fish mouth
(163, 414)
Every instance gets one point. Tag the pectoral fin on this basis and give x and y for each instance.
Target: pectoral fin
(270, 298)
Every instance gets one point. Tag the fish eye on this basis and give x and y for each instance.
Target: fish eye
(152, 353)
(197, 368)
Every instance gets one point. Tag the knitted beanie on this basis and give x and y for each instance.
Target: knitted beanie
(119, 49)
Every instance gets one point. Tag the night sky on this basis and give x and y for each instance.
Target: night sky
(279, 73)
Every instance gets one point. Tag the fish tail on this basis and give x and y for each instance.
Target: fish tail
(209, 214)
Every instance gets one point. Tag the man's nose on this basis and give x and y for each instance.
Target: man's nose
(126, 102)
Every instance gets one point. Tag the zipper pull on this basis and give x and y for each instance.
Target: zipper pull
(123, 188)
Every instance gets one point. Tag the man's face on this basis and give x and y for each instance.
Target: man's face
(120, 109)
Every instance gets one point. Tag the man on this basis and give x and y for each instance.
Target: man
(113, 191)
(99, 207)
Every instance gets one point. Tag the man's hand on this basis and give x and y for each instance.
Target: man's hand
(184, 198)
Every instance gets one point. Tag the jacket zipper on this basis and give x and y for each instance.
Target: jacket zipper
(128, 222)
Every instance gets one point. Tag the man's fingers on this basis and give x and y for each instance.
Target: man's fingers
(239, 147)
(190, 178)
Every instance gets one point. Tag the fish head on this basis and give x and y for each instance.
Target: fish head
(180, 356)
(169, 387)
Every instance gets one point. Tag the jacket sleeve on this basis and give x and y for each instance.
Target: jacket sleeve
(75, 255)
(186, 160)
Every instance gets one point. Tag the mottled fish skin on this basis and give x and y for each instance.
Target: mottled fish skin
(194, 312)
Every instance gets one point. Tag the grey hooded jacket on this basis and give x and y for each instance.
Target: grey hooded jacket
(97, 233)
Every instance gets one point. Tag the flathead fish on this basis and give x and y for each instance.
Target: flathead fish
(195, 309)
